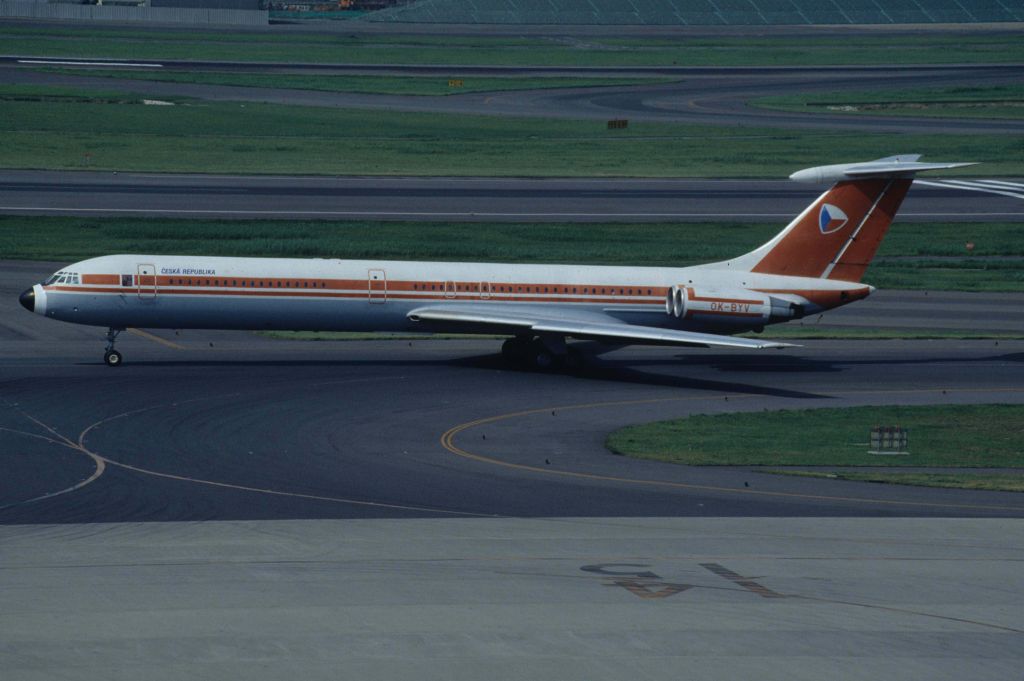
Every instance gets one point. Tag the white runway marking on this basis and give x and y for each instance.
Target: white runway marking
(978, 186)
(1002, 183)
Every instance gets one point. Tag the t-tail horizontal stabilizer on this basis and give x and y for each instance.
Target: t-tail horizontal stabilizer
(889, 167)
(837, 236)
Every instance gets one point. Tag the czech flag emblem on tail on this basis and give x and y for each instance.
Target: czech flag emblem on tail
(831, 218)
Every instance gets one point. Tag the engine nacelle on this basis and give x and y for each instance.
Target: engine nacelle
(734, 307)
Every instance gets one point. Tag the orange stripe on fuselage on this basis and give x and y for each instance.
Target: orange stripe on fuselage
(361, 293)
(101, 279)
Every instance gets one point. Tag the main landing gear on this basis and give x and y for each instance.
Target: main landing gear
(112, 357)
(546, 353)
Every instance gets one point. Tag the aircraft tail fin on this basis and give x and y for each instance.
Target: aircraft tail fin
(837, 236)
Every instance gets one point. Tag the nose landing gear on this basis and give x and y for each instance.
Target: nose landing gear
(112, 357)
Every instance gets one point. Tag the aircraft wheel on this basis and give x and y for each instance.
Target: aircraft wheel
(542, 358)
(514, 350)
(511, 349)
(113, 358)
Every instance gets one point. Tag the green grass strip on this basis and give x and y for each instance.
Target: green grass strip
(994, 482)
(808, 330)
(385, 85)
(1003, 101)
(652, 244)
(61, 128)
(977, 436)
(127, 44)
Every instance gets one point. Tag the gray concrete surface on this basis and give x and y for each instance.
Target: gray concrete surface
(565, 599)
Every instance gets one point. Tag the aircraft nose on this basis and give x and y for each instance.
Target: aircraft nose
(28, 300)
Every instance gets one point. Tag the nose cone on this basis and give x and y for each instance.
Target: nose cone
(28, 300)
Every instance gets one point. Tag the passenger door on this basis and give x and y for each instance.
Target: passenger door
(145, 281)
(377, 286)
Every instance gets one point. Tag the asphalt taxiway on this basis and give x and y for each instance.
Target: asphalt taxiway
(704, 96)
(29, 192)
(227, 425)
(414, 510)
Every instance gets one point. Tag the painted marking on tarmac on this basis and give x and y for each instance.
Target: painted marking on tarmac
(641, 583)
(56, 62)
(746, 582)
(245, 488)
(644, 589)
(448, 442)
(970, 186)
(156, 339)
(99, 465)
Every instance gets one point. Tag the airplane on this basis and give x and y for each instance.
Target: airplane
(814, 264)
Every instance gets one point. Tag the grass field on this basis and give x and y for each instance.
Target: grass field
(975, 436)
(75, 238)
(388, 85)
(128, 43)
(998, 482)
(1005, 101)
(61, 128)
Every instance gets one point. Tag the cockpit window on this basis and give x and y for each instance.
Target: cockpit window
(62, 278)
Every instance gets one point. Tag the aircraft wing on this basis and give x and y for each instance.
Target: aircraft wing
(577, 324)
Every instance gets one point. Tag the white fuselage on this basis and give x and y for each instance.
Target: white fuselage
(158, 291)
